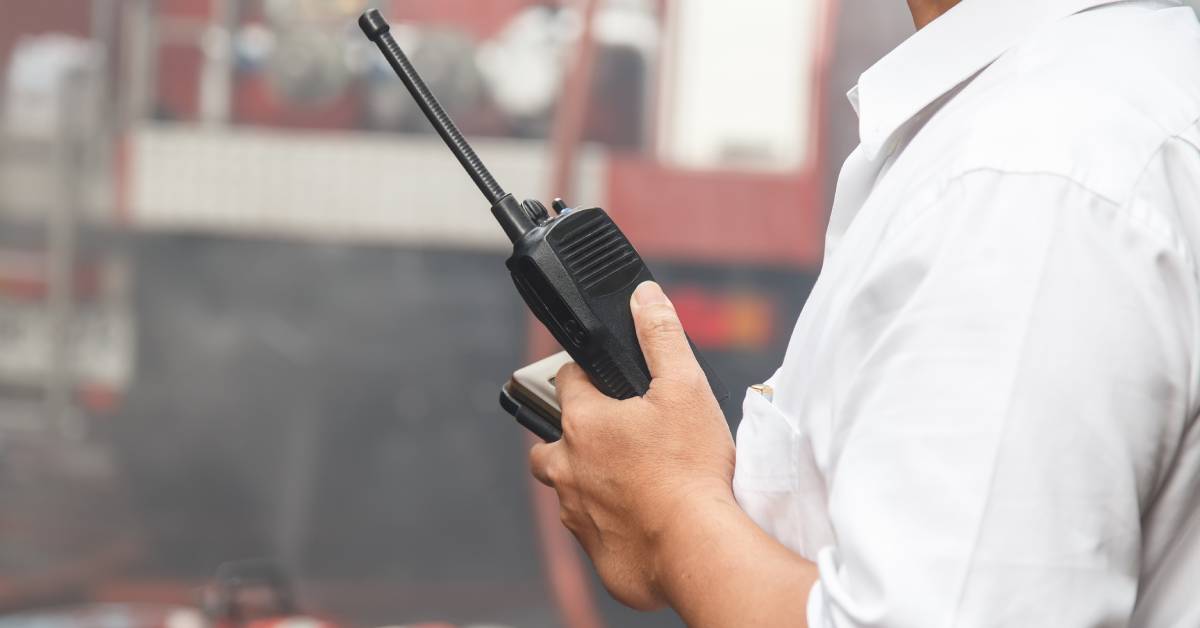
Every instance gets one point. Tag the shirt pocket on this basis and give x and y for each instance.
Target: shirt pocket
(767, 444)
(776, 479)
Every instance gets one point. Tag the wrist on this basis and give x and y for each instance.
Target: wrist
(691, 524)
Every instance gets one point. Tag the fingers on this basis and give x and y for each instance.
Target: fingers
(544, 462)
(573, 386)
(660, 333)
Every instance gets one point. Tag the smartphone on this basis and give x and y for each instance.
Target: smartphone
(531, 397)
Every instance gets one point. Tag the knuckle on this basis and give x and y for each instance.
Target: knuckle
(568, 371)
(565, 370)
(537, 467)
(682, 388)
(554, 473)
(569, 420)
(661, 319)
(695, 381)
(578, 417)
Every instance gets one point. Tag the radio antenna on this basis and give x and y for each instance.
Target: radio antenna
(377, 30)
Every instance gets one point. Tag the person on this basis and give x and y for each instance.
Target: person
(987, 414)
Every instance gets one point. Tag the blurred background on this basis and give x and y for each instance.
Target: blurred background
(254, 318)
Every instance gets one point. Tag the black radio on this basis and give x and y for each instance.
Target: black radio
(576, 270)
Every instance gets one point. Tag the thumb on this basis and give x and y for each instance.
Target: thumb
(664, 344)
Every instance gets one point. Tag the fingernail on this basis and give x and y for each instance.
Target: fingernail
(649, 293)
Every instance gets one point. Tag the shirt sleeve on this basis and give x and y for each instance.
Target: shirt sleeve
(1029, 356)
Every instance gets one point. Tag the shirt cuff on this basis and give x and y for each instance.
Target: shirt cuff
(817, 611)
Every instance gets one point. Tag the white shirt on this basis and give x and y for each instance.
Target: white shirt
(987, 415)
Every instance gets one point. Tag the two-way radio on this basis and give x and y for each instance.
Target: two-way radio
(576, 270)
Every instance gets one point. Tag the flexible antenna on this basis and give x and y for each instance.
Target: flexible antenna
(511, 215)
(378, 30)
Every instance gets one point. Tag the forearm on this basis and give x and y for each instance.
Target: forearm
(717, 568)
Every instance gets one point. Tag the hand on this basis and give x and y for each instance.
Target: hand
(624, 469)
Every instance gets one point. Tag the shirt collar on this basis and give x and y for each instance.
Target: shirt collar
(942, 55)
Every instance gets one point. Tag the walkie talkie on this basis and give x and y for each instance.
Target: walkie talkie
(576, 271)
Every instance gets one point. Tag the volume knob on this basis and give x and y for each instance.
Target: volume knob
(536, 211)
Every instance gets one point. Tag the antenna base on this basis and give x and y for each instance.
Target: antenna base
(512, 217)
